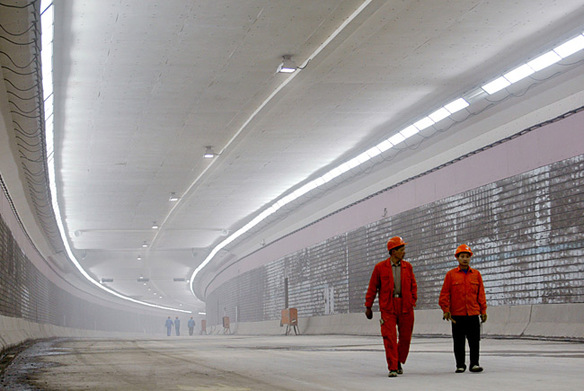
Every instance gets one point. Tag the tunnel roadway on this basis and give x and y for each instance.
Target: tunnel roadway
(238, 363)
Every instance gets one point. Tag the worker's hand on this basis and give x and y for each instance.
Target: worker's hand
(368, 313)
(483, 318)
(447, 316)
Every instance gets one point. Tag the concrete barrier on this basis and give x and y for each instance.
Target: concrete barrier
(14, 331)
(557, 321)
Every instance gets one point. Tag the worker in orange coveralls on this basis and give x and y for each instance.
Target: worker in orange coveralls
(463, 301)
(395, 282)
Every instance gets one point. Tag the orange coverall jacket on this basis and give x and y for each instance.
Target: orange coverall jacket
(382, 282)
(463, 294)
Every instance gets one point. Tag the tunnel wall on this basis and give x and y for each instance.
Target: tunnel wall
(526, 230)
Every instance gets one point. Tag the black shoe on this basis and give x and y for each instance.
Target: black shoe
(392, 374)
(460, 369)
(400, 371)
(476, 368)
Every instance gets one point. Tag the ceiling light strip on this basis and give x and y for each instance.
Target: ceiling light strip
(47, 26)
(543, 61)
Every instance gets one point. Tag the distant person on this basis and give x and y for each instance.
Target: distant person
(394, 281)
(463, 301)
(177, 326)
(168, 325)
(191, 325)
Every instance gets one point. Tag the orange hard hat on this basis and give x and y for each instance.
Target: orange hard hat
(463, 248)
(394, 242)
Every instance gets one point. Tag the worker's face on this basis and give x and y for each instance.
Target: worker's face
(399, 253)
(464, 260)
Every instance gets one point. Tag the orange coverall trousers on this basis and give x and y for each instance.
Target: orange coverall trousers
(394, 323)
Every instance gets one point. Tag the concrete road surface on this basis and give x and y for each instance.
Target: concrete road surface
(229, 363)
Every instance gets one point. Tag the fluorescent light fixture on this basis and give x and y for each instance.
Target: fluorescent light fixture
(287, 65)
(496, 85)
(425, 122)
(519, 73)
(384, 145)
(572, 46)
(456, 105)
(438, 115)
(396, 139)
(352, 163)
(409, 131)
(340, 170)
(544, 61)
(327, 177)
(362, 158)
(209, 154)
(372, 152)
